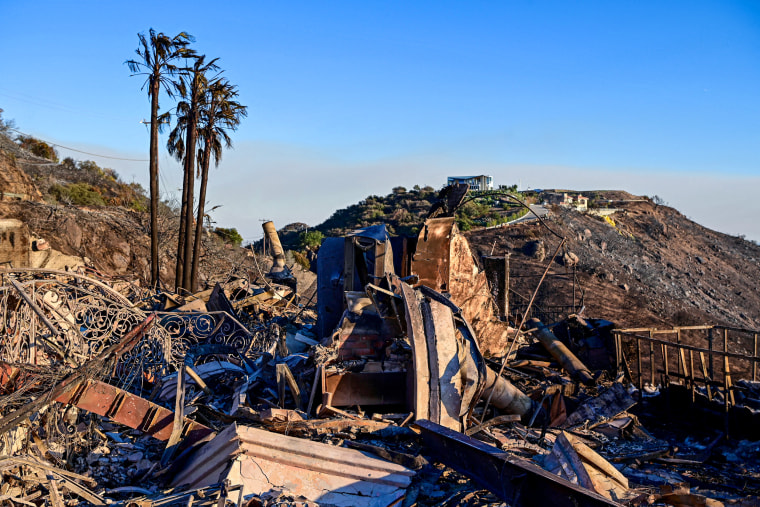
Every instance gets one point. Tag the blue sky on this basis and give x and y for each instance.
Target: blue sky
(348, 99)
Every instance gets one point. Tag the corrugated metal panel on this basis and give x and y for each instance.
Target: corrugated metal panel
(261, 461)
(209, 464)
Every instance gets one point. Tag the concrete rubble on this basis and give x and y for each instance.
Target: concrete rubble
(402, 384)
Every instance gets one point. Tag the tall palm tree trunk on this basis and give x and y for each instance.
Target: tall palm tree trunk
(201, 210)
(154, 190)
(178, 276)
(190, 183)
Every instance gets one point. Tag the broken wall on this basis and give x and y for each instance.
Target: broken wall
(443, 261)
(14, 243)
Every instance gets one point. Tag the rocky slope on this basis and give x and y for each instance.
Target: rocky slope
(648, 265)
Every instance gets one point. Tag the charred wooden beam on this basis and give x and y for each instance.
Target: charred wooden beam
(517, 481)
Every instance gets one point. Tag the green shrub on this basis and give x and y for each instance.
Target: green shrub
(79, 194)
(311, 239)
(37, 147)
(301, 260)
(231, 235)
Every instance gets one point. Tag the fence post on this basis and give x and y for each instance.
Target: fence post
(638, 358)
(651, 360)
(678, 342)
(754, 360)
(710, 352)
(506, 286)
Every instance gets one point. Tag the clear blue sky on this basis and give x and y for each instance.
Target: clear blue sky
(348, 99)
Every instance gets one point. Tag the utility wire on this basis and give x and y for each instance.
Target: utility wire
(48, 104)
(80, 151)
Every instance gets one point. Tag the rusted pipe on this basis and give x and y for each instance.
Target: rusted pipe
(278, 254)
(561, 353)
(505, 396)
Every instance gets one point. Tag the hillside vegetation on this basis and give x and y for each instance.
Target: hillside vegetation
(403, 212)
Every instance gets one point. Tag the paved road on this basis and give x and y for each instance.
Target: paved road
(530, 217)
(538, 209)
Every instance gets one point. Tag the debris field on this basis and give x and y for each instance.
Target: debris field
(400, 382)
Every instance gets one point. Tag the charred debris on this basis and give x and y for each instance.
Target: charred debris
(405, 384)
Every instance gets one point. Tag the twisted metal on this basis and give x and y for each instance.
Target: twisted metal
(87, 316)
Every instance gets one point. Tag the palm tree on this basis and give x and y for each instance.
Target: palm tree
(157, 53)
(193, 86)
(219, 112)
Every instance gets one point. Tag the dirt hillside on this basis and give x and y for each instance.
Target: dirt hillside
(648, 264)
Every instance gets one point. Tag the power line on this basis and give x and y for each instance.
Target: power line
(85, 152)
(47, 104)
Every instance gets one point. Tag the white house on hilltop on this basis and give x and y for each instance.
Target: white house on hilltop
(481, 182)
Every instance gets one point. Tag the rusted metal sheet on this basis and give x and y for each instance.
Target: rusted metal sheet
(449, 371)
(517, 481)
(443, 262)
(365, 389)
(432, 257)
(125, 408)
(261, 461)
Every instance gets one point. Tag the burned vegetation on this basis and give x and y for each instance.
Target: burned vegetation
(411, 372)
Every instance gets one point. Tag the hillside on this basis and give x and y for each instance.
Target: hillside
(87, 215)
(648, 265)
(403, 212)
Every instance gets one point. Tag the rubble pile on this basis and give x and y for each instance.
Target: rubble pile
(399, 385)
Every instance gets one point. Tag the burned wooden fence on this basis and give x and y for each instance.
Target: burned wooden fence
(707, 361)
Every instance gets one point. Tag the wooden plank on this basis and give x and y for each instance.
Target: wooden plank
(285, 377)
(705, 376)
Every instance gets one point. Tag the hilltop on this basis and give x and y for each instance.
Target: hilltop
(403, 211)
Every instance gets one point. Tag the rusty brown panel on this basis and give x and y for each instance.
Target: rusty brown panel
(432, 258)
(376, 388)
(470, 292)
(130, 410)
(468, 286)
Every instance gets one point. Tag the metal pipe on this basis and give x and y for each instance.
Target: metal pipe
(505, 396)
(278, 254)
(561, 353)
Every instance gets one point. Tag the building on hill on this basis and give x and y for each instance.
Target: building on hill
(478, 183)
(579, 202)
